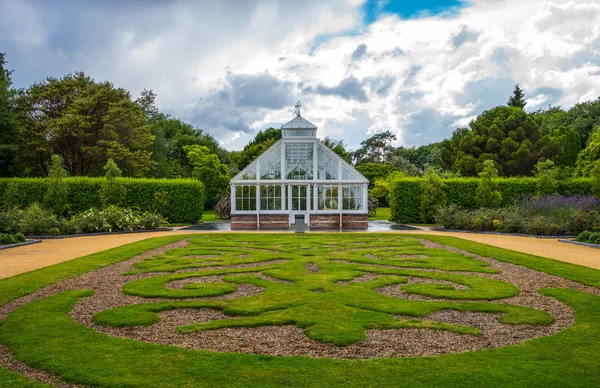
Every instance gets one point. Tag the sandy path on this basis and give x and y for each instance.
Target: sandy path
(27, 258)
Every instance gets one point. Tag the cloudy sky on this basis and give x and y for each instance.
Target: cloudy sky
(232, 67)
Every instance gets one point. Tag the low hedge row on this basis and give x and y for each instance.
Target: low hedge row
(186, 196)
(405, 193)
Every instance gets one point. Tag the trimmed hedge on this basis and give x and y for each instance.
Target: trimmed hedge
(405, 193)
(186, 196)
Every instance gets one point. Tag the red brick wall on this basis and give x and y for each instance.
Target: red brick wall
(281, 221)
(243, 221)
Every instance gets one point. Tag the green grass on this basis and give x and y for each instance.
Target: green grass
(43, 335)
(211, 216)
(382, 214)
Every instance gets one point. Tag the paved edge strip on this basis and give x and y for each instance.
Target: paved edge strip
(497, 233)
(29, 242)
(597, 246)
(99, 234)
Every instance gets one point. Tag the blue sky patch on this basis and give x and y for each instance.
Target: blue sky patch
(409, 9)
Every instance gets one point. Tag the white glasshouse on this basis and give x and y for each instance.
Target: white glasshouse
(299, 175)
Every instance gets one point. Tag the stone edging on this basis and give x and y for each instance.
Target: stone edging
(99, 233)
(29, 242)
(597, 246)
(497, 233)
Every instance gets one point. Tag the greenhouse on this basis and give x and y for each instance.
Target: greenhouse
(299, 178)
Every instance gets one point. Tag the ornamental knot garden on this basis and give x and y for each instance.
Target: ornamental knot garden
(299, 176)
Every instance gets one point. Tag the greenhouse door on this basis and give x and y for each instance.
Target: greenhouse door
(299, 202)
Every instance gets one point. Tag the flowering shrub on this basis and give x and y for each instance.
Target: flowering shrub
(36, 220)
(549, 215)
(114, 218)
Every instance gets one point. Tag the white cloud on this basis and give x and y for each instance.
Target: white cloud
(235, 67)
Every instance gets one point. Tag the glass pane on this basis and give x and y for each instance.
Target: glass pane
(299, 161)
(270, 164)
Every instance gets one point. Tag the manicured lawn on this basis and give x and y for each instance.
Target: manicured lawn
(303, 281)
(383, 214)
(211, 216)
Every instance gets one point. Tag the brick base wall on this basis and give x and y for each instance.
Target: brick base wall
(317, 221)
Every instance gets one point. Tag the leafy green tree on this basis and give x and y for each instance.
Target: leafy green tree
(487, 194)
(376, 149)
(112, 192)
(57, 196)
(432, 196)
(84, 122)
(583, 118)
(421, 157)
(338, 147)
(168, 153)
(517, 99)
(546, 173)
(404, 165)
(589, 155)
(209, 170)
(506, 135)
(571, 149)
(8, 123)
(550, 119)
(373, 171)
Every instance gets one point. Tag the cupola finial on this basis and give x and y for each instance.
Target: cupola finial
(297, 106)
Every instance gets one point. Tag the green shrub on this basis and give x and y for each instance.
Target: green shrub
(487, 193)
(7, 239)
(589, 237)
(546, 174)
(186, 196)
(405, 193)
(10, 220)
(37, 221)
(114, 218)
(432, 196)
(57, 196)
(112, 191)
(453, 217)
(161, 202)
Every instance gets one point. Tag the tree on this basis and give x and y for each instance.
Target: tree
(338, 147)
(373, 171)
(517, 100)
(171, 137)
(571, 149)
(419, 157)
(57, 196)
(589, 155)
(506, 135)
(209, 170)
(8, 123)
(112, 192)
(376, 149)
(487, 194)
(583, 118)
(84, 122)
